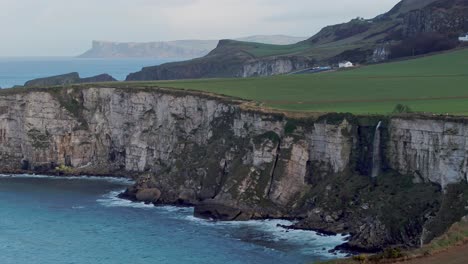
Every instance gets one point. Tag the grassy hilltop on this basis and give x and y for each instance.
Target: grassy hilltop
(436, 84)
(412, 27)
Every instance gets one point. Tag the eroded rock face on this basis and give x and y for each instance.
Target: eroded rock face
(230, 163)
(430, 150)
(275, 66)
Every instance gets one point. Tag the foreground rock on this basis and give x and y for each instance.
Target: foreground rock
(234, 163)
(66, 79)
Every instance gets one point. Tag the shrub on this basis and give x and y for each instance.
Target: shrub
(64, 169)
(392, 253)
(400, 108)
(290, 127)
(361, 258)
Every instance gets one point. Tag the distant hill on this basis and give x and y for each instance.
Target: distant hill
(412, 27)
(181, 49)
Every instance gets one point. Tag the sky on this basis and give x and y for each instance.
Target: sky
(67, 27)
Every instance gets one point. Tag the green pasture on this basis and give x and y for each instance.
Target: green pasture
(436, 84)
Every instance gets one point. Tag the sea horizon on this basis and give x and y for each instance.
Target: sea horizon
(16, 70)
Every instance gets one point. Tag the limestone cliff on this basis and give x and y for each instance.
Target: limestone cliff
(224, 61)
(233, 163)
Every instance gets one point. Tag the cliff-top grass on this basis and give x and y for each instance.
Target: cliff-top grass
(431, 84)
(435, 84)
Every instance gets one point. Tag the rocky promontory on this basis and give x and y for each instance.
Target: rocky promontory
(69, 78)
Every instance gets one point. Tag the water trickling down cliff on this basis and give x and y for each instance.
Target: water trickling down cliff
(376, 151)
(236, 164)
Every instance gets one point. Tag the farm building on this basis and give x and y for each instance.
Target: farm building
(463, 37)
(345, 64)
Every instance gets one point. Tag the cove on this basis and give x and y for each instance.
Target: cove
(81, 220)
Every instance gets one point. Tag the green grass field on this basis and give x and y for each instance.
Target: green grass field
(436, 84)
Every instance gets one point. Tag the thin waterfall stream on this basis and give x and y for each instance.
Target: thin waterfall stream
(376, 152)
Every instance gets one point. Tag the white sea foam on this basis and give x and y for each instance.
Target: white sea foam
(125, 181)
(310, 242)
(112, 200)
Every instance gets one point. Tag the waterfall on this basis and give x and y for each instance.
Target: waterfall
(376, 152)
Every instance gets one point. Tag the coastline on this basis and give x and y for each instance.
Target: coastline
(299, 238)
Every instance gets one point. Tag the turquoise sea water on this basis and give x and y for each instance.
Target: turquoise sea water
(79, 220)
(18, 70)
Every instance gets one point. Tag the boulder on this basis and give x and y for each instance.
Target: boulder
(187, 197)
(220, 212)
(148, 195)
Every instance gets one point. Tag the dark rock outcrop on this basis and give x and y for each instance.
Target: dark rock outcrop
(220, 212)
(98, 78)
(63, 79)
(66, 79)
(151, 195)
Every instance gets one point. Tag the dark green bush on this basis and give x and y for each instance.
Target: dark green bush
(400, 108)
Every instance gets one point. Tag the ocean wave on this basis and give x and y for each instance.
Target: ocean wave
(112, 200)
(125, 181)
(309, 242)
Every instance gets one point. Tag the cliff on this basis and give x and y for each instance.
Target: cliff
(178, 49)
(224, 61)
(237, 163)
(413, 27)
(69, 78)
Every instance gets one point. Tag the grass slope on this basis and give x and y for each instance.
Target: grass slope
(436, 84)
(450, 248)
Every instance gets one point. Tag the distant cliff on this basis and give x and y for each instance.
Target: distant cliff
(224, 61)
(180, 49)
(233, 162)
(412, 27)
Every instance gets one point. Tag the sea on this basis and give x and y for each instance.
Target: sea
(18, 70)
(52, 220)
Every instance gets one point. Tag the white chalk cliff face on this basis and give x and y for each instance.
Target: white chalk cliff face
(191, 148)
(431, 150)
(275, 66)
(113, 130)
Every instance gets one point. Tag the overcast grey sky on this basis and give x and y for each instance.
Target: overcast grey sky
(67, 27)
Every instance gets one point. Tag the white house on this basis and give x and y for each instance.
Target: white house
(345, 64)
(463, 38)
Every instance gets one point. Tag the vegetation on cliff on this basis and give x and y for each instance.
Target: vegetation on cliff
(450, 246)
